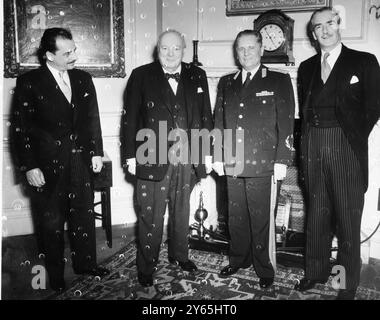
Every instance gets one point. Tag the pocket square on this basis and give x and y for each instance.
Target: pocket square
(200, 90)
(354, 79)
(86, 95)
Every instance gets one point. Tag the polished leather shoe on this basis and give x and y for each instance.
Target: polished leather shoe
(145, 280)
(186, 266)
(346, 294)
(265, 282)
(307, 284)
(96, 272)
(227, 271)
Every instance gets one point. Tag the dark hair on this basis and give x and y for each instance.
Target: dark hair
(247, 32)
(310, 26)
(48, 41)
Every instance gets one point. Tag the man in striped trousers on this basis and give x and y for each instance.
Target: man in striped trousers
(340, 101)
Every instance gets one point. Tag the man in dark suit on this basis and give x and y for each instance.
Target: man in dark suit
(340, 100)
(166, 96)
(58, 140)
(259, 103)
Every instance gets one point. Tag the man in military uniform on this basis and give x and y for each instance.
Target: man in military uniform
(260, 103)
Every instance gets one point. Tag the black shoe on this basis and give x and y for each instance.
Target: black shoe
(265, 282)
(145, 280)
(186, 266)
(307, 284)
(96, 272)
(228, 271)
(346, 294)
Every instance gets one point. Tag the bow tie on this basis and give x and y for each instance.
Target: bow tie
(175, 76)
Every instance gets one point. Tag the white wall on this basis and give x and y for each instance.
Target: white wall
(204, 20)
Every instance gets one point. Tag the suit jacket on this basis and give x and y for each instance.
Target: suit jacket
(147, 102)
(48, 128)
(357, 100)
(265, 110)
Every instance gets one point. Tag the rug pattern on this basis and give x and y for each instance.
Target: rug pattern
(171, 283)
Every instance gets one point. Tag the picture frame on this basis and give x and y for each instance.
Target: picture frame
(97, 28)
(246, 7)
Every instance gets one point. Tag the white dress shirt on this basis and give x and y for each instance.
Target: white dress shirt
(65, 75)
(334, 55)
(253, 72)
(173, 83)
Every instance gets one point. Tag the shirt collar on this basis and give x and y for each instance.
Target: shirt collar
(253, 72)
(55, 71)
(334, 54)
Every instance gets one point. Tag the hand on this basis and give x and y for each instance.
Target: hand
(131, 163)
(218, 168)
(97, 164)
(208, 164)
(35, 178)
(279, 171)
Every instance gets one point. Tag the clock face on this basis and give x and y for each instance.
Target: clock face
(273, 37)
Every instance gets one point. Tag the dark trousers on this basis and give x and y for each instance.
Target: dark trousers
(248, 223)
(72, 203)
(152, 198)
(335, 199)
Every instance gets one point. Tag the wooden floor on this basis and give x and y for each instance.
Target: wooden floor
(20, 255)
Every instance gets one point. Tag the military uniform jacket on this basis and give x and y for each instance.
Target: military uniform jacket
(147, 103)
(357, 99)
(48, 129)
(265, 111)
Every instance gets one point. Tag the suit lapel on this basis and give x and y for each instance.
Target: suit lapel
(52, 88)
(161, 85)
(234, 91)
(237, 82)
(255, 82)
(343, 66)
(190, 91)
(316, 72)
(75, 92)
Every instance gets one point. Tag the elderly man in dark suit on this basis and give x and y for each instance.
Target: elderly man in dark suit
(59, 143)
(260, 103)
(340, 99)
(164, 97)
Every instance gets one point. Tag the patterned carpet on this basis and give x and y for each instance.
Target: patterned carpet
(173, 284)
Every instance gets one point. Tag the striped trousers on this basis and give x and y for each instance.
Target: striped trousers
(335, 199)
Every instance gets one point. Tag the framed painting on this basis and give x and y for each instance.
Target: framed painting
(245, 7)
(97, 27)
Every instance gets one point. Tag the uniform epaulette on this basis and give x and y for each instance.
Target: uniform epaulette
(278, 70)
(236, 74)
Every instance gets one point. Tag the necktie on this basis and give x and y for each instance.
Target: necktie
(175, 76)
(65, 87)
(325, 68)
(247, 80)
